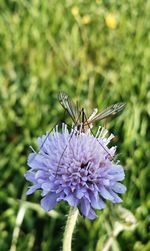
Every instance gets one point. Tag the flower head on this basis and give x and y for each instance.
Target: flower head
(77, 168)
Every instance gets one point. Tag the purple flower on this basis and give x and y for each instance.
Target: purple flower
(77, 168)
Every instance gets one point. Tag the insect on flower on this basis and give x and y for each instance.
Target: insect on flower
(74, 165)
(79, 117)
(81, 122)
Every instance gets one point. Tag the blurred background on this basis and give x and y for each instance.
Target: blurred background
(99, 53)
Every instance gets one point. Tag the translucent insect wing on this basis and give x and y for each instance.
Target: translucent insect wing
(110, 111)
(68, 105)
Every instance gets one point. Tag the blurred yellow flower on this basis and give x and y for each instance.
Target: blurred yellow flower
(86, 19)
(111, 21)
(75, 11)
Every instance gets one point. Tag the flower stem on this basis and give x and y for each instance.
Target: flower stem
(70, 225)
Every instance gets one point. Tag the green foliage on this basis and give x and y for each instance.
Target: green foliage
(98, 52)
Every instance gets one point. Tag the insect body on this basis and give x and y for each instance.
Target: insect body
(79, 117)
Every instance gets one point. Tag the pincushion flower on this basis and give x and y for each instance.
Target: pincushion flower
(77, 168)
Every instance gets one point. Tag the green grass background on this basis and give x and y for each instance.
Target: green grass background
(48, 46)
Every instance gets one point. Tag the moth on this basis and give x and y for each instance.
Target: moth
(79, 117)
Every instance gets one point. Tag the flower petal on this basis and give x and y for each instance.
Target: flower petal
(73, 202)
(119, 188)
(96, 201)
(91, 215)
(116, 173)
(41, 174)
(105, 193)
(85, 206)
(32, 189)
(116, 198)
(30, 176)
(47, 186)
(38, 161)
(79, 193)
(49, 201)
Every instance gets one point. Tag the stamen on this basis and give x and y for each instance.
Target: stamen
(98, 132)
(32, 149)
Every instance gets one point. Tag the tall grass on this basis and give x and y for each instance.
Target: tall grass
(99, 53)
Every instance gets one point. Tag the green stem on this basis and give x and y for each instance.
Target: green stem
(71, 221)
